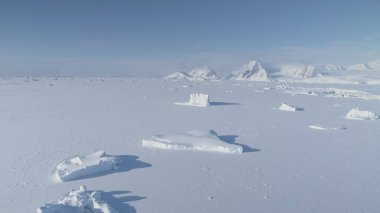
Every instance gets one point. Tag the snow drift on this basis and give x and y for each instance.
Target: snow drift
(356, 114)
(192, 140)
(198, 74)
(79, 201)
(80, 166)
(197, 99)
(253, 71)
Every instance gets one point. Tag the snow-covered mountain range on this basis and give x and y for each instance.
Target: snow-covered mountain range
(197, 74)
(320, 73)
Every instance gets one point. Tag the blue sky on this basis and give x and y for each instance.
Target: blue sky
(139, 37)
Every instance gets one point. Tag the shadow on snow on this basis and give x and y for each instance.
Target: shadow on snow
(120, 201)
(231, 140)
(222, 104)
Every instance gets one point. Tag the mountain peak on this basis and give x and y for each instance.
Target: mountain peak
(252, 71)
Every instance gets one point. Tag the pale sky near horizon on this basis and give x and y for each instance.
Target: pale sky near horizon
(143, 38)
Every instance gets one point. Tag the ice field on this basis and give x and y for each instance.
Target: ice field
(312, 160)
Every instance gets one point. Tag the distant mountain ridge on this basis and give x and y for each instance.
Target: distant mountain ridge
(255, 71)
(197, 74)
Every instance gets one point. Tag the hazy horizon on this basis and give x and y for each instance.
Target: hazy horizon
(141, 38)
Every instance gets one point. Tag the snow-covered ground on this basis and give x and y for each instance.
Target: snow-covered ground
(287, 164)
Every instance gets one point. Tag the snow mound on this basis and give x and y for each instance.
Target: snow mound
(356, 114)
(288, 108)
(192, 140)
(80, 166)
(198, 74)
(333, 93)
(253, 71)
(79, 201)
(300, 71)
(197, 99)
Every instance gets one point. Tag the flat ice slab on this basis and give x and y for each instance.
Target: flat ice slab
(288, 108)
(80, 166)
(192, 140)
(197, 99)
(79, 201)
(356, 114)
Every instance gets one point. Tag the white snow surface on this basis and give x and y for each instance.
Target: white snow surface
(285, 167)
(82, 166)
(198, 74)
(79, 201)
(197, 99)
(357, 114)
(253, 71)
(192, 140)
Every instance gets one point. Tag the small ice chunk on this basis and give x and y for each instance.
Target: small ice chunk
(197, 99)
(289, 108)
(192, 140)
(356, 114)
(317, 127)
(80, 166)
(79, 201)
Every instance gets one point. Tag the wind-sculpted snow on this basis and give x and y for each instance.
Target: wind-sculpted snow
(81, 166)
(79, 201)
(356, 114)
(333, 92)
(192, 140)
(197, 99)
